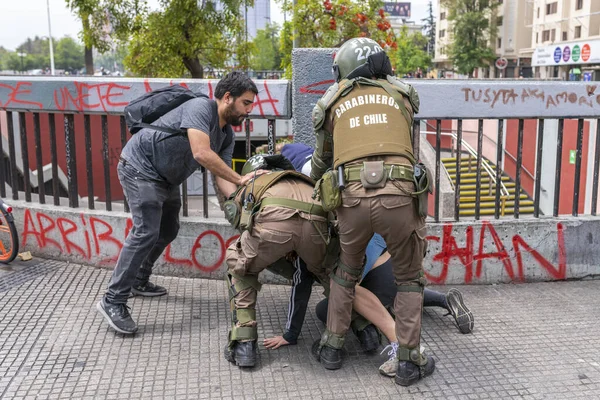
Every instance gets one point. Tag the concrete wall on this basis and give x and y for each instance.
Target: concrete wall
(449, 98)
(466, 252)
(110, 95)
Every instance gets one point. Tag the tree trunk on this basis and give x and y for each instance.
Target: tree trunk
(88, 56)
(193, 65)
(89, 61)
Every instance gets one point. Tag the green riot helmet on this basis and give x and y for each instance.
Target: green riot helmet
(361, 57)
(276, 162)
(253, 163)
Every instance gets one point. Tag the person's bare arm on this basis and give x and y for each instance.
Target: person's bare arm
(200, 144)
(368, 305)
(226, 188)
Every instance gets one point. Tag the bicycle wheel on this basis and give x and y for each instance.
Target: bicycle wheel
(9, 239)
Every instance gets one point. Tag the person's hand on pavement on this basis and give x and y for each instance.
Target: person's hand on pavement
(275, 342)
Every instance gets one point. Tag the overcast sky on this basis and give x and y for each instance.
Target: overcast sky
(20, 19)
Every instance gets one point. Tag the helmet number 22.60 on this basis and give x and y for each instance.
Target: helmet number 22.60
(367, 52)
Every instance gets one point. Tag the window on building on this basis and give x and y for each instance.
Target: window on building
(538, 12)
(442, 33)
(499, 43)
(442, 16)
(553, 35)
(537, 37)
(500, 21)
(545, 35)
(551, 8)
(579, 5)
(577, 32)
(564, 37)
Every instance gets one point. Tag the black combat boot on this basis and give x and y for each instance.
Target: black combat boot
(369, 338)
(243, 354)
(409, 373)
(329, 357)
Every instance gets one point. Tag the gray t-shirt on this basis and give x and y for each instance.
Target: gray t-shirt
(162, 156)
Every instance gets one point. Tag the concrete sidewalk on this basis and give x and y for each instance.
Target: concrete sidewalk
(531, 341)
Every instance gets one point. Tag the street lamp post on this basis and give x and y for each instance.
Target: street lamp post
(50, 40)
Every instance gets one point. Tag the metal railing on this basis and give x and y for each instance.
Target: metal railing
(41, 111)
(500, 190)
(86, 114)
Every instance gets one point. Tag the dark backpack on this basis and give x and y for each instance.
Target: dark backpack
(141, 112)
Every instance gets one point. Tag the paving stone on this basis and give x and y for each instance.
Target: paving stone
(531, 341)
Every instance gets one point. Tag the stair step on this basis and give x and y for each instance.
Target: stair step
(511, 192)
(492, 204)
(484, 179)
(467, 174)
(464, 163)
(453, 159)
(485, 187)
(489, 211)
(471, 199)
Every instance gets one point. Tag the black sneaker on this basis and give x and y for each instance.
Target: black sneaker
(409, 373)
(329, 357)
(369, 338)
(461, 313)
(148, 289)
(117, 316)
(243, 354)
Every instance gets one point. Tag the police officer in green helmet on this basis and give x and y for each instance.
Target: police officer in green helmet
(277, 216)
(363, 126)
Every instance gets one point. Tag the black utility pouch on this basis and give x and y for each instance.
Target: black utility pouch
(423, 186)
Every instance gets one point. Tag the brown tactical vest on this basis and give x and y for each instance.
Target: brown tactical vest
(260, 185)
(368, 122)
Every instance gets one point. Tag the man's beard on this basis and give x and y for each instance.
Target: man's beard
(232, 118)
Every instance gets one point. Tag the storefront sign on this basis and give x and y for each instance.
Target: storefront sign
(586, 52)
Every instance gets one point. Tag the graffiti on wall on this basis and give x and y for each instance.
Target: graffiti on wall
(107, 96)
(472, 258)
(512, 96)
(91, 238)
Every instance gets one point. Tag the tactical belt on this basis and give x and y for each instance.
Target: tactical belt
(310, 208)
(393, 171)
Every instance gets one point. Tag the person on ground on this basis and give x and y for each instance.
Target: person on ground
(377, 277)
(278, 219)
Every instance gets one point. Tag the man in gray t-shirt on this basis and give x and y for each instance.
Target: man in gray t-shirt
(152, 166)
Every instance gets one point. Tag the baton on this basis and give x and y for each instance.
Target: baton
(341, 181)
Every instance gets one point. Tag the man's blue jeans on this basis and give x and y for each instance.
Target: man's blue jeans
(155, 213)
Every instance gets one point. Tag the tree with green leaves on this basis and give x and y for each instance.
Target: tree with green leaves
(429, 27)
(69, 55)
(266, 54)
(474, 30)
(189, 36)
(104, 21)
(330, 23)
(409, 54)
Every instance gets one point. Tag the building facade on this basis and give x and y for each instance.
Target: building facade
(546, 39)
(257, 17)
(566, 39)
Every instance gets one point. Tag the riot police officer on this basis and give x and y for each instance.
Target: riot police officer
(363, 128)
(277, 216)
